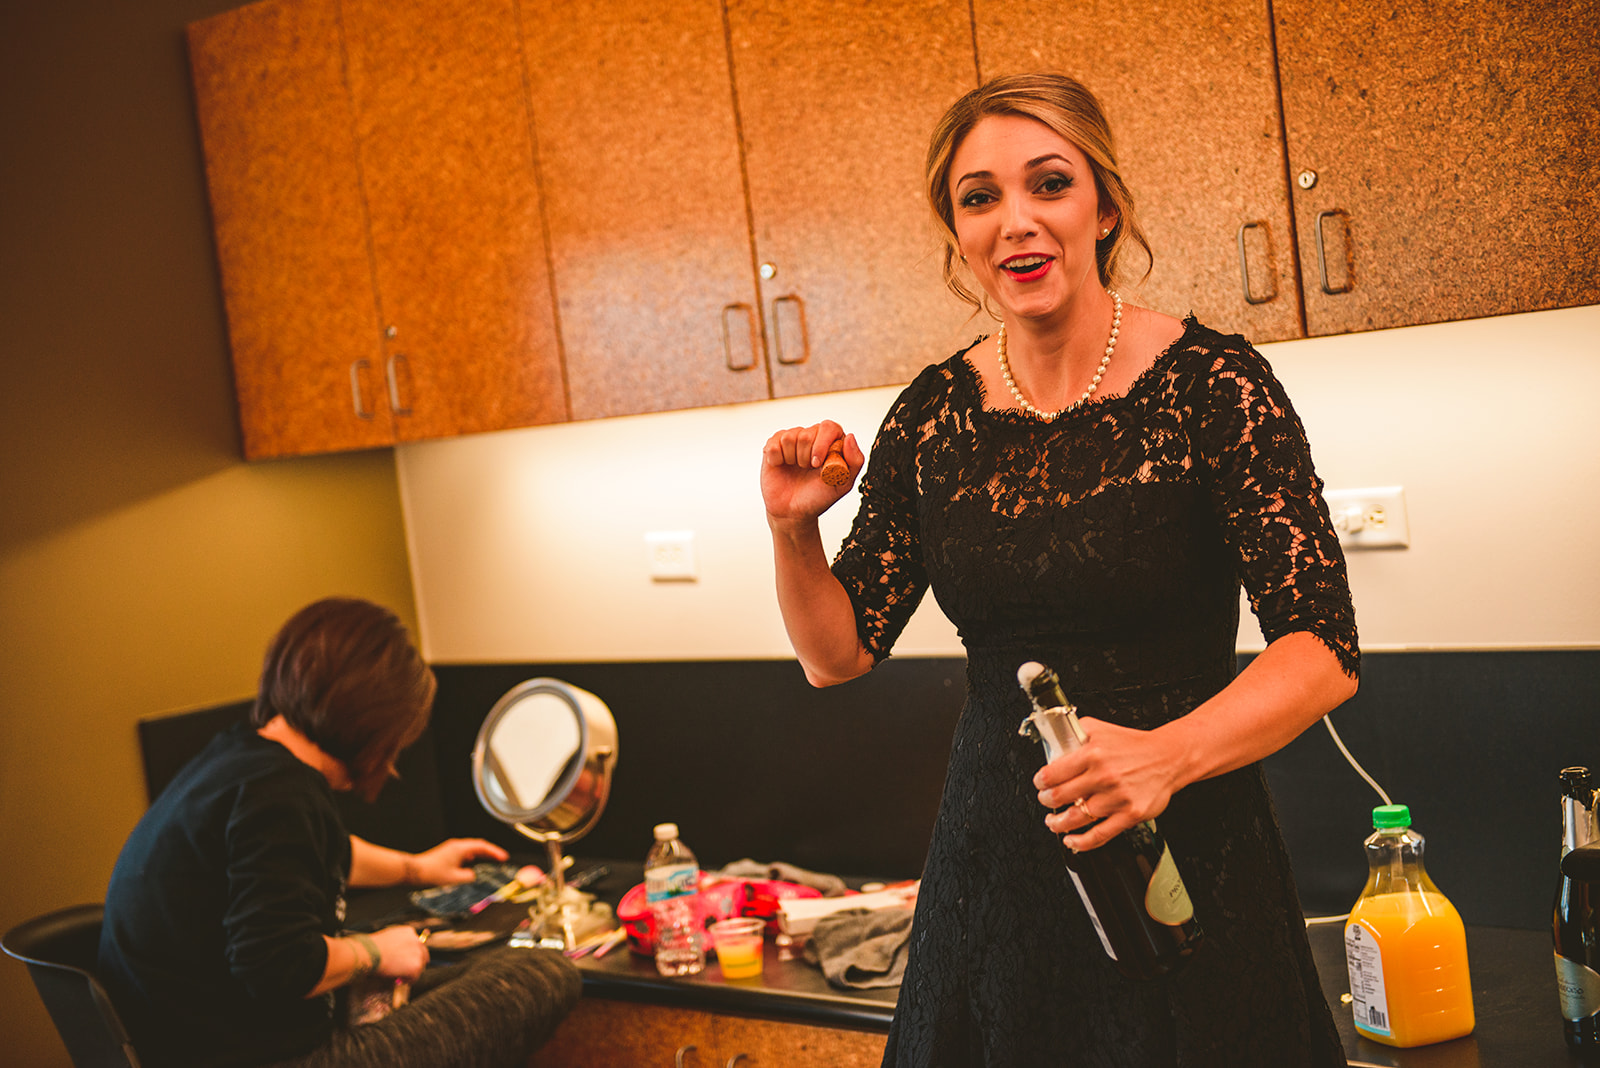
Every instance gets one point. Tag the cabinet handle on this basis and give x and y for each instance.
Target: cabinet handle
(738, 362)
(391, 373)
(793, 310)
(735, 1059)
(356, 367)
(1322, 254)
(677, 1058)
(1244, 264)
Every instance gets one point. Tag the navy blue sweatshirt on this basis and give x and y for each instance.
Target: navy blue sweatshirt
(217, 907)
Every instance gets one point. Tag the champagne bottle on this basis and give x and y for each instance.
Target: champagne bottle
(1130, 885)
(1577, 955)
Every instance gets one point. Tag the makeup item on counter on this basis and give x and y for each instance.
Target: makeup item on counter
(528, 876)
(1130, 886)
(739, 942)
(672, 886)
(1405, 944)
(835, 471)
(1574, 928)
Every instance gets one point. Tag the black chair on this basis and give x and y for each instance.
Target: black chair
(60, 949)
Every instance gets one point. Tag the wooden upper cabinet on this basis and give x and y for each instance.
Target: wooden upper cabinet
(649, 234)
(290, 231)
(1191, 96)
(459, 252)
(837, 100)
(1454, 152)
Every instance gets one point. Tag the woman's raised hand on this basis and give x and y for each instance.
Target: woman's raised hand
(792, 486)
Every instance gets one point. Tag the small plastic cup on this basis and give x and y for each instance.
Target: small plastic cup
(738, 942)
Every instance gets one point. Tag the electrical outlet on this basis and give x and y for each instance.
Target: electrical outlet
(1370, 518)
(671, 555)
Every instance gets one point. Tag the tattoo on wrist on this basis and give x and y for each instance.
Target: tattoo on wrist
(370, 948)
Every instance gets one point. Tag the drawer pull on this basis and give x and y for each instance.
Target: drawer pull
(356, 400)
(1244, 263)
(392, 374)
(683, 1051)
(739, 338)
(1322, 254)
(789, 325)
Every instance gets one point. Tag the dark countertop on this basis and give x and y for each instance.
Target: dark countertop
(1514, 996)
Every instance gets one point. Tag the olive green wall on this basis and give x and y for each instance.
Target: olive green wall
(143, 566)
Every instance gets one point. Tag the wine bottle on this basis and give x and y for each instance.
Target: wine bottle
(1574, 929)
(1130, 885)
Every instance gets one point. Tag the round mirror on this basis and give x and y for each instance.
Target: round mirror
(543, 763)
(543, 759)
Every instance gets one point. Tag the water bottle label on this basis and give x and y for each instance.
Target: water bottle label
(1368, 1000)
(673, 880)
(1093, 916)
(1167, 899)
(1579, 987)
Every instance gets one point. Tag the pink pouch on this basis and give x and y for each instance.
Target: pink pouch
(717, 900)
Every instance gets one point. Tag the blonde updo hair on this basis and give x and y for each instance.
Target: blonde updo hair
(1067, 107)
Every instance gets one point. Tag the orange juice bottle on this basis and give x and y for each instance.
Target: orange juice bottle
(1405, 944)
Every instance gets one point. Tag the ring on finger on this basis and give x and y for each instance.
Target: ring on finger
(1083, 806)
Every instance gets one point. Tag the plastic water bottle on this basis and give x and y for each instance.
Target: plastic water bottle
(672, 886)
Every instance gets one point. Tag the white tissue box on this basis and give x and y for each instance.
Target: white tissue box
(797, 917)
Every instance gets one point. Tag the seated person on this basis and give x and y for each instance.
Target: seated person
(222, 943)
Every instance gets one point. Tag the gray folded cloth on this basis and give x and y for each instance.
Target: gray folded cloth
(827, 885)
(861, 948)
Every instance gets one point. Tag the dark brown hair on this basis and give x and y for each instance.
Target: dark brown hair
(1068, 108)
(344, 673)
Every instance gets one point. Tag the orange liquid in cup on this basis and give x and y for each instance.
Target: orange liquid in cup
(740, 957)
(1425, 984)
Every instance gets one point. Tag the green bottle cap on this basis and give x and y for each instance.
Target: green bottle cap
(1385, 817)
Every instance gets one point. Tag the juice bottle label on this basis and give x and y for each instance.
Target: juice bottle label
(1094, 917)
(1167, 899)
(1579, 987)
(1369, 1002)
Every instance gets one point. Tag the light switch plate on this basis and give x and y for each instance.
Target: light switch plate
(671, 555)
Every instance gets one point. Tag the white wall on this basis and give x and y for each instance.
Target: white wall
(529, 544)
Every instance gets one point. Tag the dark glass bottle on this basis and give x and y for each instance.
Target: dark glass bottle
(1577, 955)
(1130, 885)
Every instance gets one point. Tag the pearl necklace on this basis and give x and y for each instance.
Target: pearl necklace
(1111, 346)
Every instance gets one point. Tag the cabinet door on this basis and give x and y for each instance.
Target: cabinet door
(1453, 148)
(649, 234)
(458, 243)
(290, 228)
(1191, 95)
(624, 1034)
(837, 100)
(768, 1044)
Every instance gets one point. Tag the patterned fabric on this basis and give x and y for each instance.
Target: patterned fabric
(1109, 544)
(491, 1011)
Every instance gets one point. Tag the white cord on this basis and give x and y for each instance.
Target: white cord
(1354, 763)
(1338, 741)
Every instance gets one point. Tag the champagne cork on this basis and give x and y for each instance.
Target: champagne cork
(835, 472)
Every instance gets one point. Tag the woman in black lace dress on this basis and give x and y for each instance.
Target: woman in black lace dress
(1088, 487)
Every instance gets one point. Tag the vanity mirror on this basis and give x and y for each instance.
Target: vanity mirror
(542, 763)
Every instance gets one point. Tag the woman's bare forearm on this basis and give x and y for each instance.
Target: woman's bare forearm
(817, 612)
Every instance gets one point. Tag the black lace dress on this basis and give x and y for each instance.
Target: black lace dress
(1109, 544)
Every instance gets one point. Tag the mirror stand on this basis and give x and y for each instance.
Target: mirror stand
(559, 919)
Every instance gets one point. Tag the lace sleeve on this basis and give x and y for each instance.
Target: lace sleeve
(880, 563)
(1269, 500)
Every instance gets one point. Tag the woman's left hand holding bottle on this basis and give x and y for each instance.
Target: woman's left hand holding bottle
(792, 486)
